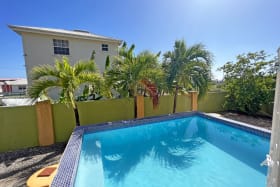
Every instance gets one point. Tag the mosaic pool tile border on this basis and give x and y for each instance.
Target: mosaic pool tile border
(67, 169)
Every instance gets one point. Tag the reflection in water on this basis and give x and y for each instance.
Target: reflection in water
(248, 148)
(172, 145)
(114, 157)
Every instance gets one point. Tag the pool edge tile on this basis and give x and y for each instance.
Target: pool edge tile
(66, 172)
(69, 161)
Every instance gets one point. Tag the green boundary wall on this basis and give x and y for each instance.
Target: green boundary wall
(18, 125)
(166, 105)
(18, 128)
(183, 103)
(63, 121)
(212, 102)
(267, 109)
(93, 112)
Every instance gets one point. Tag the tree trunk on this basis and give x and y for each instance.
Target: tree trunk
(77, 117)
(135, 107)
(175, 99)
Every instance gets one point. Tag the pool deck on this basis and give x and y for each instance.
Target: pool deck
(17, 166)
(241, 125)
(67, 169)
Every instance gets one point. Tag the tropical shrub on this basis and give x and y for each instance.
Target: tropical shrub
(132, 75)
(187, 68)
(249, 82)
(67, 78)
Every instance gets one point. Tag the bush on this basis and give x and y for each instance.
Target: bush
(249, 82)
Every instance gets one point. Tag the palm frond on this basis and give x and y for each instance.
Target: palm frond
(83, 66)
(43, 71)
(127, 70)
(87, 77)
(41, 86)
(188, 67)
(199, 53)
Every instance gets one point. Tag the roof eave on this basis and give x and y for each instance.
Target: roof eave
(20, 30)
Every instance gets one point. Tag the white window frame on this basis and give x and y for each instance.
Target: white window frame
(61, 47)
(105, 47)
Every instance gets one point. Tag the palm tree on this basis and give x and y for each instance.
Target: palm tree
(187, 68)
(131, 75)
(66, 77)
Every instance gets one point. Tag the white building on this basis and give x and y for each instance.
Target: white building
(13, 86)
(44, 45)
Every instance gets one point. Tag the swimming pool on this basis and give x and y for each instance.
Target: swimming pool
(189, 149)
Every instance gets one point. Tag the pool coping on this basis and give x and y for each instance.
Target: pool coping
(240, 125)
(68, 166)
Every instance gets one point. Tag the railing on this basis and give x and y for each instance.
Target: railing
(8, 94)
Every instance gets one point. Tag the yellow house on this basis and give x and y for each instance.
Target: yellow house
(44, 45)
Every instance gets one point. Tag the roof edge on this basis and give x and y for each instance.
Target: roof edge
(21, 29)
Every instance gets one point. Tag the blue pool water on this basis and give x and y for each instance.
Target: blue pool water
(192, 151)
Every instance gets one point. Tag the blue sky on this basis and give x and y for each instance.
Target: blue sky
(226, 27)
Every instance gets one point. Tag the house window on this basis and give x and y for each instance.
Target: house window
(105, 47)
(22, 88)
(61, 47)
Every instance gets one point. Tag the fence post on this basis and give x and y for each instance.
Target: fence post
(45, 123)
(139, 106)
(194, 96)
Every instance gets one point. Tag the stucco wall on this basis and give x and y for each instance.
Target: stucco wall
(166, 105)
(92, 112)
(18, 128)
(38, 50)
(63, 122)
(212, 102)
